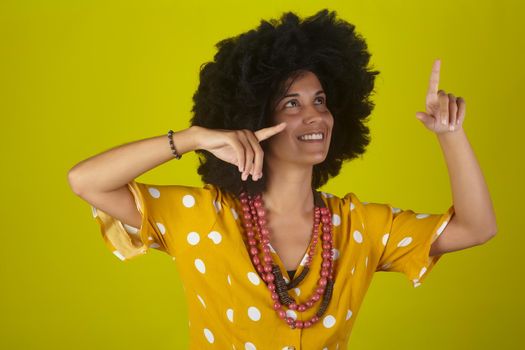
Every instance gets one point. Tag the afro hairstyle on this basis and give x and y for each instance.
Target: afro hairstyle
(240, 87)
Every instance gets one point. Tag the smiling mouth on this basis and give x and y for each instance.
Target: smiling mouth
(312, 137)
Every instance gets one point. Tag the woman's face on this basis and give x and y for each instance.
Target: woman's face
(306, 138)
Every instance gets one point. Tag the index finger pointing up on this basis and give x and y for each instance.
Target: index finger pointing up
(434, 78)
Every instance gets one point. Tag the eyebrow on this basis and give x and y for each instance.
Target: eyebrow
(293, 95)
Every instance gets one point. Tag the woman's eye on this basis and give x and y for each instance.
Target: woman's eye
(291, 101)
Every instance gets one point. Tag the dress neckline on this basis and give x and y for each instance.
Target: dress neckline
(318, 201)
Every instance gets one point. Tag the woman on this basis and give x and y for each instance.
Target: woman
(267, 261)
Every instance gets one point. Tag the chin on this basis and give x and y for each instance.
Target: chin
(316, 159)
(320, 161)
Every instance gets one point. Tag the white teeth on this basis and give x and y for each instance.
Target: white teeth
(318, 136)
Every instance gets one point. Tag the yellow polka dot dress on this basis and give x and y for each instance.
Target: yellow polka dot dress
(228, 303)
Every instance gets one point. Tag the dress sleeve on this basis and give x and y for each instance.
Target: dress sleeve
(126, 241)
(165, 211)
(402, 238)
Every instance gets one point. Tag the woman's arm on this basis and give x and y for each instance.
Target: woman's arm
(472, 202)
(102, 179)
(113, 169)
(474, 220)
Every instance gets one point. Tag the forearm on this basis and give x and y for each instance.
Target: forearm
(113, 169)
(472, 202)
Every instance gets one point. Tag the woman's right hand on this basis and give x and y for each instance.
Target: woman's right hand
(238, 147)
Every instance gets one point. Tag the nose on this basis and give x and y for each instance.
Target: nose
(312, 115)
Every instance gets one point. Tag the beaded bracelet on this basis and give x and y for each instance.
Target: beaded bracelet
(173, 149)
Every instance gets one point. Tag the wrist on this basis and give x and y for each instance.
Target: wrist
(193, 135)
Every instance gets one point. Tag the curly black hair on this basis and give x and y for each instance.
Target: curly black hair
(239, 89)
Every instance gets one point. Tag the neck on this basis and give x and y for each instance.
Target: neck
(289, 188)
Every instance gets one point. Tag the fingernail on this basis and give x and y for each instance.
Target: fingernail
(443, 122)
(451, 128)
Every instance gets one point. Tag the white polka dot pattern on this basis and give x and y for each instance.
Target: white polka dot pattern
(329, 321)
(358, 237)
(348, 314)
(229, 314)
(201, 300)
(385, 238)
(404, 242)
(188, 201)
(254, 278)
(215, 237)
(206, 226)
(209, 335)
(199, 264)
(193, 238)
(161, 227)
(336, 220)
(291, 313)
(254, 314)
(155, 193)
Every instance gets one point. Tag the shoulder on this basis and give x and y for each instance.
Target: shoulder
(364, 211)
(346, 203)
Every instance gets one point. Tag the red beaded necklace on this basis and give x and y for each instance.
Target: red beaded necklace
(254, 219)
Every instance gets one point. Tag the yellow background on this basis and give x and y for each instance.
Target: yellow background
(80, 77)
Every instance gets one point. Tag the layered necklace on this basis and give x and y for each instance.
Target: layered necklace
(258, 234)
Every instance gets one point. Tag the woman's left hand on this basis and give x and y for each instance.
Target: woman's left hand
(444, 112)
